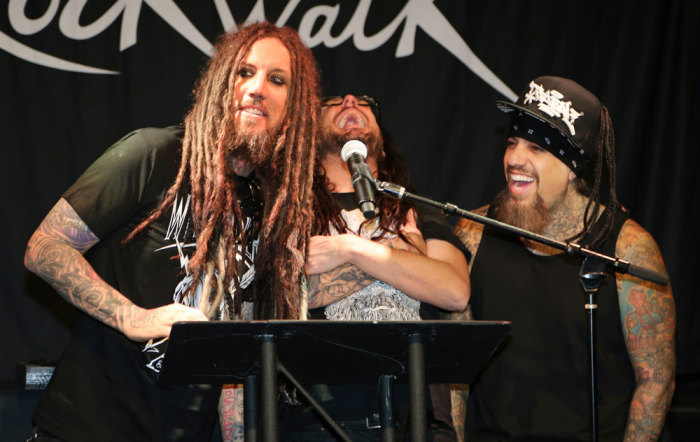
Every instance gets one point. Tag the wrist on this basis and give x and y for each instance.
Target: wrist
(350, 247)
(361, 251)
(125, 316)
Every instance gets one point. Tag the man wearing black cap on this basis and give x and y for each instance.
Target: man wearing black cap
(559, 164)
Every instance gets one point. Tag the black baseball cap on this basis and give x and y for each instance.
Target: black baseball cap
(559, 115)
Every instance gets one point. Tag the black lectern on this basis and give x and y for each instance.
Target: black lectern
(331, 352)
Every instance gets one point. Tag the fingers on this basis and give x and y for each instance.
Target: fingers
(179, 312)
(411, 225)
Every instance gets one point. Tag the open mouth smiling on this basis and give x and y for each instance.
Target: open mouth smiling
(519, 180)
(519, 184)
(350, 118)
(253, 110)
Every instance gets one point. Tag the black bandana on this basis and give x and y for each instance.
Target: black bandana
(537, 131)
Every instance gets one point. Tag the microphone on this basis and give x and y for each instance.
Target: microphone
(354, 153)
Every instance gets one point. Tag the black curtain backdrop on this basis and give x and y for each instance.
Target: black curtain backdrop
(640, 58)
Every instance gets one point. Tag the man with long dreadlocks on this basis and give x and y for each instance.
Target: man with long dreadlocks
(559, 165)
(395, 266)
(177, 221)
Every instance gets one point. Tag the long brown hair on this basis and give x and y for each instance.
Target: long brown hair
(286, 180)
(393, 213)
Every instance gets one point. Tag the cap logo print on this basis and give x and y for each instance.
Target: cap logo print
(550, 102)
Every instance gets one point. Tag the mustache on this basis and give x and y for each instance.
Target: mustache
(521, 170)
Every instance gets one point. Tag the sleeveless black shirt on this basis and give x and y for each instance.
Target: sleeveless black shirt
(536, 385)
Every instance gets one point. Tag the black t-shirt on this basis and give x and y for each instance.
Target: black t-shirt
(104, 387)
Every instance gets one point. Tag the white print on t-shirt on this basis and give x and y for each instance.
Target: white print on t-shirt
(154, 348)
(179, 230)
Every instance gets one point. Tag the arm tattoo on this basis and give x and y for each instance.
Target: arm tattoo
(463, 315)
(469, 232)
(55, 254)
(649, 321)
(231, 413)
(459, 394)
(328, 287)
(63, 222)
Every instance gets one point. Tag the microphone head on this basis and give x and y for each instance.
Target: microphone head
(353, 147)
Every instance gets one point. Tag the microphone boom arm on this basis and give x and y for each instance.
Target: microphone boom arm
(571, 248)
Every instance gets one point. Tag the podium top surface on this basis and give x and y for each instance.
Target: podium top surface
(320, 351)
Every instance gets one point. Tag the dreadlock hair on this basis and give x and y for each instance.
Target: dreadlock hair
(285, 181)
(598, 184)
(393, 213)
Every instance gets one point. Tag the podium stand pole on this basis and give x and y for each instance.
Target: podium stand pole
(268, 369)
(386, 409)
(416, 380)
(250, 407)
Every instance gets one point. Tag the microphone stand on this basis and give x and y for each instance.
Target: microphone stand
(591, 274)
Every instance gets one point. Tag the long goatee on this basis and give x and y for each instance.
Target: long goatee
(533, 217)
(247, 151)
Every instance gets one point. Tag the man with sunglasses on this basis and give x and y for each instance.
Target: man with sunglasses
(397, 266)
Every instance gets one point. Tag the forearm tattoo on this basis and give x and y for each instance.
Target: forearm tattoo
(231, 413)
(459, 394)
(55, 254)
(328, 287)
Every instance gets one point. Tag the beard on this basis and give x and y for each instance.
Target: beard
(533, 217)
(249, 151)
(332, 142)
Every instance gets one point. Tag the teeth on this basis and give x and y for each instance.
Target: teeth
(252, 110)
(525, 178)
(351, 116)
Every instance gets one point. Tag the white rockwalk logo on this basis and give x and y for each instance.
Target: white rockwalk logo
(415, 14)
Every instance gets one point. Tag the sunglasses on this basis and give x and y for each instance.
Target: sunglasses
(362, 100)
